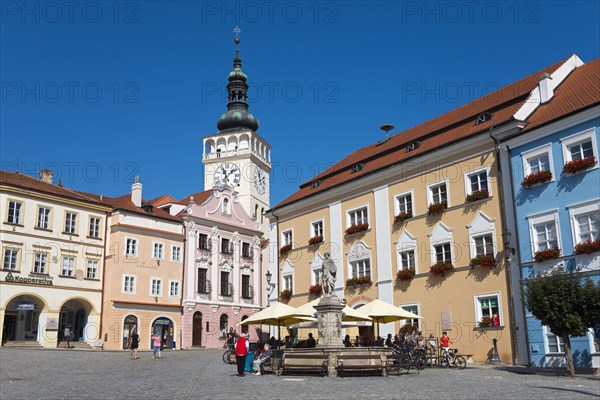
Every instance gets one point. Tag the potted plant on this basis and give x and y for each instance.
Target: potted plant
(356, 228)
(587, 247)
(485, 322)
(575, 166)
(441, 267)
(315, 290)
(285, 295)
(484, 261)
(405, 274)
(402, 216)
(407, 329)
(315, 240)
(477, 195)
(285, 249)
(437, 208)
(363, 280)
(536, 178)
(547, 254)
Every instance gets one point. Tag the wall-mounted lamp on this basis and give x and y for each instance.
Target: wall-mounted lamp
(508, 251)
(268, 275)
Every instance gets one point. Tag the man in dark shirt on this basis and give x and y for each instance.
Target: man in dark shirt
(310, 342)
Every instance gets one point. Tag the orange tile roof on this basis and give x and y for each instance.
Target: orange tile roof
(162, 200)
(199, 197)
(124, 203)
(441, 131)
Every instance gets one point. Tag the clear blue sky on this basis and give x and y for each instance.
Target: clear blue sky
(103, 91)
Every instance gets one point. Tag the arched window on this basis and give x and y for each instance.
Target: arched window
(223, 325)
(244, 327)
(226, 206)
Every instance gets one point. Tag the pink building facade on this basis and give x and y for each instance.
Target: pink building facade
(222, 279)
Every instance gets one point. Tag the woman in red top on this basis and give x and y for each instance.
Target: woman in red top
(241, 351)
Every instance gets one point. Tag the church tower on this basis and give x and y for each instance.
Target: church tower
(236, 156)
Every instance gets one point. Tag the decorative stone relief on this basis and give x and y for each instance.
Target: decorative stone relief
(359, 251)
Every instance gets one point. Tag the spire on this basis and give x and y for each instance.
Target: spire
(237, 115)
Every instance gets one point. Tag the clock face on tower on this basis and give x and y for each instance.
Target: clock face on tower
(228, 174)
(260, 180)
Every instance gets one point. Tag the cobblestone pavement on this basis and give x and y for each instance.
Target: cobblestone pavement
(201, 374)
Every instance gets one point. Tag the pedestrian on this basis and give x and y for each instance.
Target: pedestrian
(67, 336)
(230, 339)
(388, 341)
(156, 344)
(310, 342)
(347, 341)
(445, 342)
(241, 351)
(134, 343)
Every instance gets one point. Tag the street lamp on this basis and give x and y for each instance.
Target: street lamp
(506, 235)
(269, 287)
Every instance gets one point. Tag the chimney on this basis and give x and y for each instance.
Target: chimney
(46, 176)
(546, 88)
(136, 192)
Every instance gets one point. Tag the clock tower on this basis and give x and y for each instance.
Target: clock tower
(236, 156)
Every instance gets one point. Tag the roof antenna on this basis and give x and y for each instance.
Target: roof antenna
(386, 128)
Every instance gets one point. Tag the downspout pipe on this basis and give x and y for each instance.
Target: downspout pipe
(182, 285)
(106, 247)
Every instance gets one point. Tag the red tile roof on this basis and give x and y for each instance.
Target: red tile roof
(199, 197)
(162, 200)
(441, 131)
(124, 203)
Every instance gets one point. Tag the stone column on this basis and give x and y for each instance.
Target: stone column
(329, 322)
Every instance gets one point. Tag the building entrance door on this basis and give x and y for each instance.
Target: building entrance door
(164, 327)
(9, 328)
(129, 327)
(197, 330)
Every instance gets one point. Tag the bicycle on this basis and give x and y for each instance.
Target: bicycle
(414, 356)
(229, 354)
(450, 359)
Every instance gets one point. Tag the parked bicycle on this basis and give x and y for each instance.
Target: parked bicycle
(449, 359)
(229, 355)
(412, 355)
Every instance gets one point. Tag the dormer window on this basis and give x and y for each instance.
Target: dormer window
(415, 144)
(316, 184)
(357, 167)
(483, 117)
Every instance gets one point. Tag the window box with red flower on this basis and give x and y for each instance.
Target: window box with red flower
(285, 295)
(315, 240)
(575, 166)
(315, 290)
(402, 217)
(285, 249)
(405, 274)
(547, 254)
(437, 208)
(486, 322)
(440, 268)
(357, 228)
(536, 179)
(477, 195)
(587, 247)
(363, 280)
(484, 261)
(407, 329)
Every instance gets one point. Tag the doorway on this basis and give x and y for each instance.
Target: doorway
(75, 315)
(21, 319)
(164, 327)
(197, 329)
(129, 327)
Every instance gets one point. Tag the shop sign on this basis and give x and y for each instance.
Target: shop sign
(162, 321)
(25, 306)
(52, 324)
(17, 278)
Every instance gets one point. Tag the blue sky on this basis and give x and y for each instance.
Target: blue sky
(102, 91)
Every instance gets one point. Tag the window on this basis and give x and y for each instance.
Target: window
(68, 265)
(176, 253)
(555, 343)
(438, 193)
(588, 226)
(226, 289)
(14, 212)
(92, 269)
(226, 246)
(361, 268)
(71, 223)
(537, 160)
(287, 237)
(43, 219)
(359, 216)
(226, 206)
(545, 236)
(203, 243)
(158, 252)
(579, 146)
(223, 324)
(11, 258)
(404, 204)
(94, 227)
(443, 252)
(288, 283)
(412, 308)
(477, 180)
(40, 263)
(316, 228)
(316, 276)
(407, 259)
(539, 163)
(488, 306)
(202, 282)
(246, 288)
(156, 287)
(484, 245)
(129, 284)
(246, 250)
(173, 289)
(131, 247)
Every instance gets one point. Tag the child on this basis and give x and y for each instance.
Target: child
(445, 342)
(156, 343)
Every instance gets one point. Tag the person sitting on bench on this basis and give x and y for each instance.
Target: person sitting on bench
(263, 358)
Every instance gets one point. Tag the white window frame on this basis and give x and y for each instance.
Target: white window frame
(468, 189)
(173, 252)
(177, 285)
(161, 246)
(62, 266)
(19, 214)
(542, 218)
(357, 262)
(406, 243)
(355, 209)
(435, 184)
(159, 286)
(43, 256)
(482, 226)
(313, 233)
(286, 278)
(48, 218)
(133, 284)
(416, 304)
(436, 239)
(95, 269)
(90, 219)
(537, 152)
(576, 138)
(16, 257)
(136, 247)
(547, 332)
(74, 225)
(284, 238)
(397, 197)
(477, 304)
(577, 210)
(474, 244)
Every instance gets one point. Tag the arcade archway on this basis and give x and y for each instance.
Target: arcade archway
(75, 314)
(22, 319)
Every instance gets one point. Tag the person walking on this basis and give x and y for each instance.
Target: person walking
(67, 336)
(241, 351)
(156, 344)
(134, 343)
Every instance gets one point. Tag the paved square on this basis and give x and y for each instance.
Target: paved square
(201, 374)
